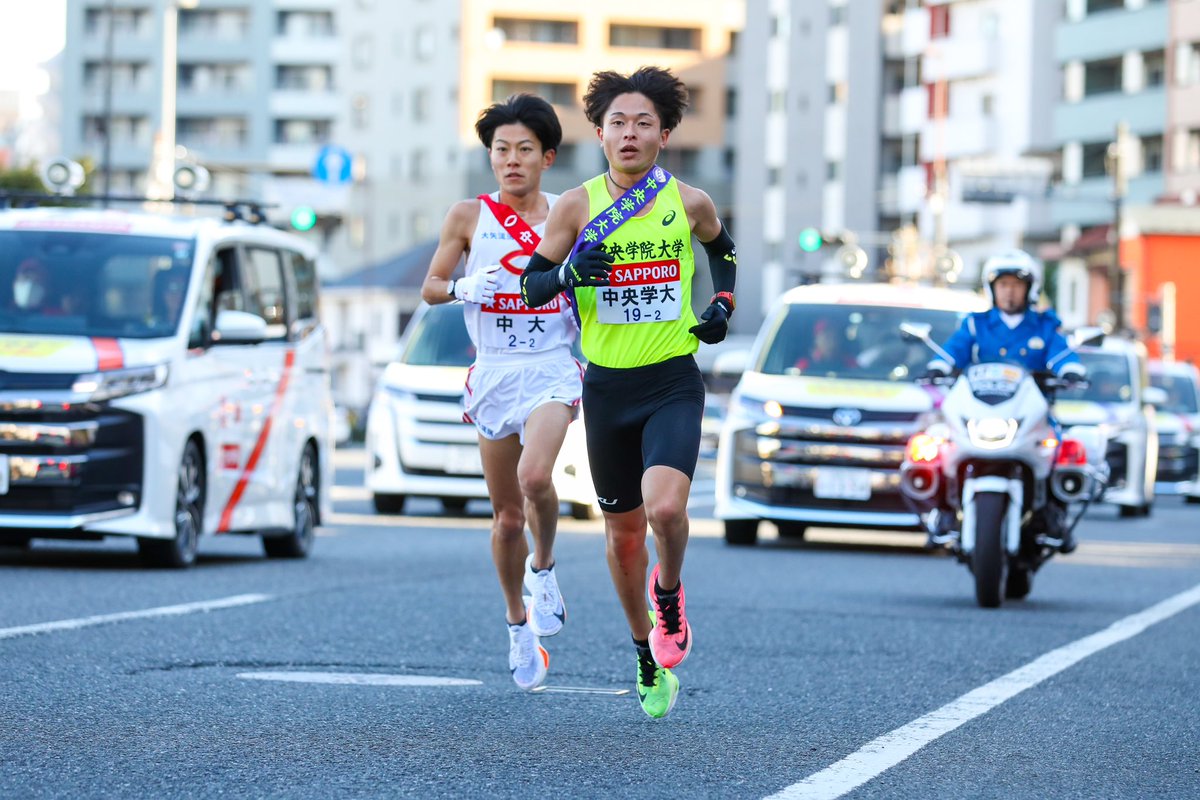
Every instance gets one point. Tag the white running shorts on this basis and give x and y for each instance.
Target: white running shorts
(499, 399)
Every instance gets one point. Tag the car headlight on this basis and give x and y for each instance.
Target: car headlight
(992, 433)
(100, 386)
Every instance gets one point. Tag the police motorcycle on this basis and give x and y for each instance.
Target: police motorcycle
(992, 479)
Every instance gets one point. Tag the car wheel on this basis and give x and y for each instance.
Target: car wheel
(584, 511)
(1128, 512)
(456, 506)
(180, 551)
(298, 543)
(389, 503)
(789, 529)
(16, 541)
(1192, 499)
(741, 531)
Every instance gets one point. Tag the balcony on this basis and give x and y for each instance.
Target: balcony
(906, 112)
(1089, 202)
(1095, 118)
(1109, 34)
(906, 35)
(902, 192)
(959, 57)
(956, 137)
(304, 103)
(287, 157)
(296, 49)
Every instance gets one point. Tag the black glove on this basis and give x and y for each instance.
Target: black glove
(1072, 379)
(935, 373)
(715, 323)
(589, 268)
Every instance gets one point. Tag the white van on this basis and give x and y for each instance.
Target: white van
(161, 377)
(1178, 423)
(815, 430)
(417, 441)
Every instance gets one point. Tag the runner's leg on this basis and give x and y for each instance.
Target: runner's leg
(666, 491)
(545, 431)
(625, 534)
(509, 546)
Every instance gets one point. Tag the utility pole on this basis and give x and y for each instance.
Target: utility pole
(106, 159)
(1117, 161)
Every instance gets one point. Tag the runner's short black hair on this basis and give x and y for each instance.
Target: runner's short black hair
(668, 94)
(526, 109)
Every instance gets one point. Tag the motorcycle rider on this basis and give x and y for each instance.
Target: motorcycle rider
(1015, 332)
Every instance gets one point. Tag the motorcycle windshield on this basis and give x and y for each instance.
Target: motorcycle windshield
(994, 383)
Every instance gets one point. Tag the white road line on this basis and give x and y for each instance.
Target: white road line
(580, 690)
(122, 616)
(880, 755)
(358, 679)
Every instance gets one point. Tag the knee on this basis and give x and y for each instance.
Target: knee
(665, 512)
(535, 482)
(508, 523)
(626, 546)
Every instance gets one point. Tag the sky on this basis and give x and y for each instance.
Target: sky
(33, 32)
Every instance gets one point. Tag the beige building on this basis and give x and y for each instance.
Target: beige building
(1183, 101)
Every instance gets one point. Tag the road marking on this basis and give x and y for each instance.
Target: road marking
(122, 616)
(880, 755)
(358, 679)
(579, 690)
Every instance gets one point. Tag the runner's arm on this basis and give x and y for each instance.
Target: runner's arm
(544, 276)
(453, 243)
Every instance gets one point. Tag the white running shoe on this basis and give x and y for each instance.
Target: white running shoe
(527, 659)
(546, 612)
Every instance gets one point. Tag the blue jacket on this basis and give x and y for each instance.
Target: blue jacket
(983, 337)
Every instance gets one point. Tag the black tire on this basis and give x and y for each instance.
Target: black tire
(455, 506)
(1191, 499)
(16, 542)
(987, 562)
(1129, 512)
(788, 529)
(583, 511)
(389, 503)
(306, 505)
(180, 551)
(1018, 583)
(741, 532)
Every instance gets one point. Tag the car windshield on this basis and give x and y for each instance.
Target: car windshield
(440, 339)
(843, 341)
(1181, 393)
(1108, 379)
(92, 284)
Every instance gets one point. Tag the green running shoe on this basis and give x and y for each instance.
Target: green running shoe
(657, 687)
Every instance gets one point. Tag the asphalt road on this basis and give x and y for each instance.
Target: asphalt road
(820, 669)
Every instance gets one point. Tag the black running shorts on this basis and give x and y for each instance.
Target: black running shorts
(639, 418)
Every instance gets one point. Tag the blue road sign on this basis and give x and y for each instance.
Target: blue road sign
(333, 164)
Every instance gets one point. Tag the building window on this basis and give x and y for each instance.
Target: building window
(305, 24)
(833, 170)
(541, 31)
(123, 129)
(420, 105)
(127, 76)
(654, 37)
(1095, 160)
(679, 160)
(774, 176)
(1152, 154)
(1154, 67)
(939, 22)
(125, 21)
(1190, 157)
(418, 165)
(777, 101)
(939, 100)
(987, 105)
(1102, 77)
(211, 132)
(358, 112)
(302, 131)
(559, 94)
(694, 95)
(305, 78)
(1097, 6)
(1187, 63)
(731, 102)
(837, 16)
(838, 92)
(226, 25)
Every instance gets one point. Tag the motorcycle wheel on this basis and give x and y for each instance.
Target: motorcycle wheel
(987, 561)
(1018, 584)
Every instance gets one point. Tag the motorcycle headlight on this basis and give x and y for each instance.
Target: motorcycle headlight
(100, 386)
(991, 433)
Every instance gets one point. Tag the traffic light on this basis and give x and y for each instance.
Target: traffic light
(304, 218)
(811, 240)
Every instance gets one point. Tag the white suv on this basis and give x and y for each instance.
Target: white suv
(1178, 424)
(161, 377)
(417, 441)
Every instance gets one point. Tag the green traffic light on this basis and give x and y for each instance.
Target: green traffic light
(304, 218)
(810, 240)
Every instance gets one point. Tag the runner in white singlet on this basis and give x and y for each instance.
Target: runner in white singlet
(524, 388)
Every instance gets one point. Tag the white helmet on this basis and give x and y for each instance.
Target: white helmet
(1014, 262)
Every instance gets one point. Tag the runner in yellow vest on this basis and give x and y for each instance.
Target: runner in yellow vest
(620, 245)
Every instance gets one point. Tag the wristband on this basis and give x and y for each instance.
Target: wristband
(727, 297)
(450, 287)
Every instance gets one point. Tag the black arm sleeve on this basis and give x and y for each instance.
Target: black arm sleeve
(539, 281)
(722, 261)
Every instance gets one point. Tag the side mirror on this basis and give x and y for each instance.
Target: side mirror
(1155, 396)
(239, 327)
(1087, 337)
(731, 364)
(916, 330)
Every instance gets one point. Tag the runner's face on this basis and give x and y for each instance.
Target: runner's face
(517, 159)
(632, 135)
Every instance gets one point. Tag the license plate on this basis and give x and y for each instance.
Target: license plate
(464, 461)
(842, 483)
(3, 474)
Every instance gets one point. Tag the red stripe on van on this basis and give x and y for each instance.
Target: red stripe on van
(108, 353)
(260, 445)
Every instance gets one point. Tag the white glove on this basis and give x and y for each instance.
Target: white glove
(479, 287)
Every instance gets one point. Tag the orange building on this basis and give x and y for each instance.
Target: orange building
(1161, 245)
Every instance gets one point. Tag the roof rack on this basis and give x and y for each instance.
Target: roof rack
(251, 211)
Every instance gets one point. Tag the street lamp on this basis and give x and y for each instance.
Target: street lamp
(162, 167)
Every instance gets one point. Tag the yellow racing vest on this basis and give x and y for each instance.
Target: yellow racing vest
(643, 316)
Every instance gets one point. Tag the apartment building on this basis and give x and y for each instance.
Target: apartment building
(257, 91)
(1183, 102)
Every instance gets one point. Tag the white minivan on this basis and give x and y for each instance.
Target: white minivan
(162, 377)
(417, 441)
